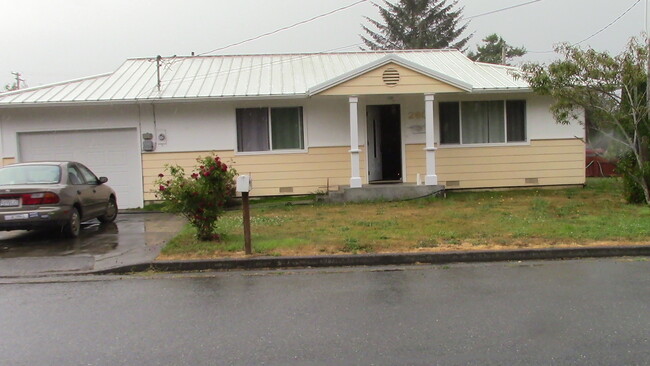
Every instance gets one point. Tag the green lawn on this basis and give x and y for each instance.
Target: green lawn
(592, 215)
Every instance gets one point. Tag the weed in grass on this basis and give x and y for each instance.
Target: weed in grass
(520, 233)
(384, 237)
(539, 205)
(228, 223)
(460, 215)
(453, 241)
(489, 205)
(477, 242)
(365, 223)
(352, 245)
(446, 234)
(571, 209)
(506, 216)
(344, 228)
(428, 243)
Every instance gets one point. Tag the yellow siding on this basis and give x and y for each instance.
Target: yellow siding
(552, 162)
(296, 173)
(372, 83)
(7, 161)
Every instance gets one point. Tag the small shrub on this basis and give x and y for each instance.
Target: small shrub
(201, 197)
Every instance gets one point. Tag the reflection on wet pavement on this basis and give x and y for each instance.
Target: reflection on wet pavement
(132, 238)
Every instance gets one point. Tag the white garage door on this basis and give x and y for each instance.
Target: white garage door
(110, 153)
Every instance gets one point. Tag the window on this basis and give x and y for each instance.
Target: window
(482, 122)
(30, 174)
(87, 175)
(264, 129)
(74, 177)
(449, 123)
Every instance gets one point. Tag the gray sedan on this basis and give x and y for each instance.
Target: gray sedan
(53, 195)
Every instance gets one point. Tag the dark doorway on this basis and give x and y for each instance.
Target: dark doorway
(384, 143)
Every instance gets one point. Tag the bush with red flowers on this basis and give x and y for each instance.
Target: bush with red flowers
(201, 197)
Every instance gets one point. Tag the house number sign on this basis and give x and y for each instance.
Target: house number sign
(415, 115)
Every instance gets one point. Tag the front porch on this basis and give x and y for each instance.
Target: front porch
(384, 192)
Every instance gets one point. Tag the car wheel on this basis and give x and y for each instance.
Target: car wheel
(73, 227)
(111, 212)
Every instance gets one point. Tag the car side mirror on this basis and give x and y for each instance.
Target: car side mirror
(103, 180)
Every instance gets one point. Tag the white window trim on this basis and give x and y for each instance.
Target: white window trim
(303, 130)
(490, 144)
(486, 144)
(272, 152)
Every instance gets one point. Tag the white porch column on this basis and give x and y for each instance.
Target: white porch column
(355, 177)
(431, 178)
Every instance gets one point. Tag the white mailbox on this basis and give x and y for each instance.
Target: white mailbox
(244, 183)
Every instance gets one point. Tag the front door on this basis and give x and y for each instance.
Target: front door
(384, 143)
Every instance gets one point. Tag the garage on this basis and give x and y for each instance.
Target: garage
(113, 153)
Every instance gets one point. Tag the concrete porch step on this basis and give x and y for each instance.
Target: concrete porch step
(383, 192)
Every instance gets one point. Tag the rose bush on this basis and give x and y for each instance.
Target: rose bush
(201, 197)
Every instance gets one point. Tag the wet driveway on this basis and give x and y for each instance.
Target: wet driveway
(132, 238)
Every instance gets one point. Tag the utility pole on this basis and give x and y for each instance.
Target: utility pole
(18, 79)
(158, 59)
(503, 54)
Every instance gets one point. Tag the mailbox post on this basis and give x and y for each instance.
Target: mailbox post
(244, 185)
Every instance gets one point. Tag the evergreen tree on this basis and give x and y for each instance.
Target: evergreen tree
(417, 24)
(492, 51)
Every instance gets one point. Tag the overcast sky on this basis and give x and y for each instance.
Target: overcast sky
(56, 40)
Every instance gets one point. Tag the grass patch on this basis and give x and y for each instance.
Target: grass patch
(464, 220)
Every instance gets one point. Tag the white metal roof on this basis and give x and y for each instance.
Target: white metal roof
(241, 76)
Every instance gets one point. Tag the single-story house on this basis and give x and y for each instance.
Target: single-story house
(300, 123)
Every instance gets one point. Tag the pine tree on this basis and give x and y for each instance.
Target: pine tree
(492, 51)
(417, 24)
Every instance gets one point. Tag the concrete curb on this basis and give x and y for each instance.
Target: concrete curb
(382, 259)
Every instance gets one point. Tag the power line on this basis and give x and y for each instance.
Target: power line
(503, 9)
(290, 59)
(610, 24)
(600, 30)
(285, 28)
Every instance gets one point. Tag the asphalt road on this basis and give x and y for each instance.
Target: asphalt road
(591, 312)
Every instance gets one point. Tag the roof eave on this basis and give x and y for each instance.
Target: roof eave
(501, 90)
(152, 100)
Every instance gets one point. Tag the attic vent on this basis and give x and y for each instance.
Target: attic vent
(391, 77)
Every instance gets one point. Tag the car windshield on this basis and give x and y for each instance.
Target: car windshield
(30, 174)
